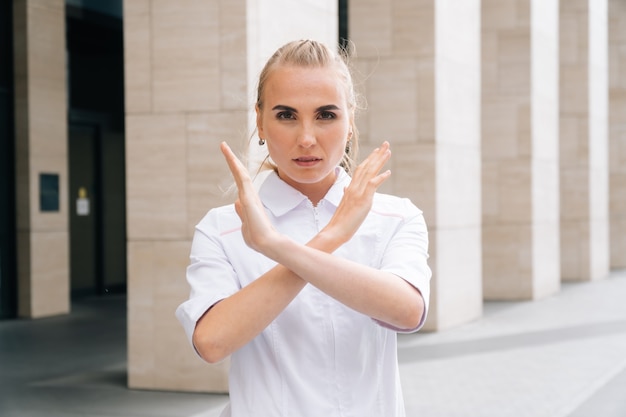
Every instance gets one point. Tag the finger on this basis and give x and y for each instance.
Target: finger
(239, 171)
(379, 156)
(379, 179)
(372, 165)
(382, 155)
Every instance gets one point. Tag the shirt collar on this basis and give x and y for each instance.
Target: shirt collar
(279, 197)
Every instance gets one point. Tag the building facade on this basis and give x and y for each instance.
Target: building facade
(506, 118)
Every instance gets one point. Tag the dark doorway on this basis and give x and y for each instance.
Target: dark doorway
(8, 279)
(85, 210)
(96, 150)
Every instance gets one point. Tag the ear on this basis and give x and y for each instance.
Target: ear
(259, 122)
(351, 127)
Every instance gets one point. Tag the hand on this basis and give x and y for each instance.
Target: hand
(255, 226)
(358, 196)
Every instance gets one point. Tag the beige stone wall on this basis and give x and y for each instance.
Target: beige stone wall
(617, 131)
(420, 71)
(190, 73)
(41, 147)
(583, 140)
(520, 149)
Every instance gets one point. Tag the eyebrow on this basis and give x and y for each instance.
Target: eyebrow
(327, 107)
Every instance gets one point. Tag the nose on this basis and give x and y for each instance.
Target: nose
(306, 136)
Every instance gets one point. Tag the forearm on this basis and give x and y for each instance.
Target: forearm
(236, 320)
(377, 294)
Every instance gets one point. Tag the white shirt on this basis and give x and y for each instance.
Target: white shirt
(318, 358)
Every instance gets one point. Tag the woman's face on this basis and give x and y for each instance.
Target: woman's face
(305, 121)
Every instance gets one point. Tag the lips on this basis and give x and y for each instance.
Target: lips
(307, 159)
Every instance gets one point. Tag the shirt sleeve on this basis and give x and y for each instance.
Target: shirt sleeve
(406, 256)
(210, 275)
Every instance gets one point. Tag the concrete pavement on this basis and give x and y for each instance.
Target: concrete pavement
(563, 356)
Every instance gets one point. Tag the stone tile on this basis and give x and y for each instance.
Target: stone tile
(458, 188)
(156, 177)
(498, 14)
(413, 29)
(545, 191)
(570, 50)
(507, 263)
(575, 253)
(394, 81)
(573, 140)
(489, 45)
(617, 244)
(574, 191)
(499, 128)
(136, 8)
(456, 291)
(457, 35)
(371, 28)
(514, 46)
(599, 264)
(141, 360)
(573, 91)
(490, 203)
(513, 79)
(545, 126)
(157, 285)
(546, 265)
(514, 191)
(458, 99)
(24, 272)
(233, 57)
(49, 273)
(413, 175)
(525, 130)
(426, 103)
(208, 177)
(272, 24)
(137, 57)
(185, 55)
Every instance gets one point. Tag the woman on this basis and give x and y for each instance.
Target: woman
(306, 282)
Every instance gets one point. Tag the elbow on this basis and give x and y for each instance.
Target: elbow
(415, 318)
(209, 349)
(410, 321)
(411, 316)
(416, 313)
(213, 357)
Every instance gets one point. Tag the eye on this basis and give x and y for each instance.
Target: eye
(285, 115)
(327, 115)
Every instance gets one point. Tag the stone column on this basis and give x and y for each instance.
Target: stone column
(584, 140)
(520, 123)
(41, 158)
(190, 75)
(420, 68)
(617, 132)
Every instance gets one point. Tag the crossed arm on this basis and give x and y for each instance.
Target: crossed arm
(236, 320)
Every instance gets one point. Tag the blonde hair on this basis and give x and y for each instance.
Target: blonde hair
(314, 54)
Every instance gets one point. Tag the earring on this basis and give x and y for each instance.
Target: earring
(348, 146)
(261, 141)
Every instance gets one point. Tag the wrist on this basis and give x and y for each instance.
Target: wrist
(278, 246)
(328, 240)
